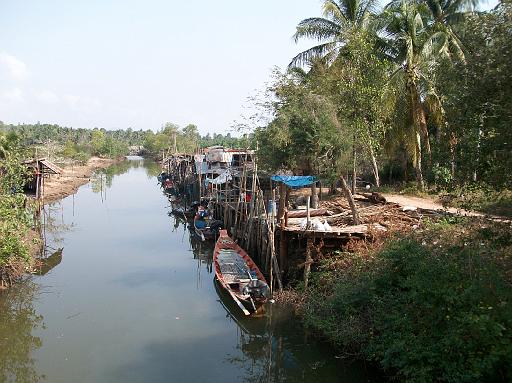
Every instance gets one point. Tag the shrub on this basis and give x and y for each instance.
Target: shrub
(434, 306)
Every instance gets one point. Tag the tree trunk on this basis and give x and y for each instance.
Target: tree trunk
(375, 167)
(314, 196)
(419, 125)
(332, 189)
(417, 165)
(350, 198)
(453, 144)
(354, 160)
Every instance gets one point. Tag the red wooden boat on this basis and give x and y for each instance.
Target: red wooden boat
(238, 275)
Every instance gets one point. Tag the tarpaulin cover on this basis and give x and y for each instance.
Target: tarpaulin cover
(295, 181)
(221, 179)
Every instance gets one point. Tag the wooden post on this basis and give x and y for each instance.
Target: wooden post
(227, 190)
(307, 264)
(283, 246)
(282, 200)
(275, 264)
(308, 218)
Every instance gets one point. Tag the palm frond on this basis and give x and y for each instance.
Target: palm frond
(317, 28)
(332, 9)
(306, 56)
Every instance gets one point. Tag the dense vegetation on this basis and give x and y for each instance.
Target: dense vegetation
(14, 217)
(430, 306)
(420, 90)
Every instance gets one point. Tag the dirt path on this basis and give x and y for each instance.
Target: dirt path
(60, 186)
(427, 203)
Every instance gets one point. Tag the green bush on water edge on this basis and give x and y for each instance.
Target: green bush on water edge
(15, 219)
(430, 306)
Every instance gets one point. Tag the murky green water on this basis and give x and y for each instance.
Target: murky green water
(132, 299)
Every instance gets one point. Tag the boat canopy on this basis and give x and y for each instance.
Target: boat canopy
(294, 181)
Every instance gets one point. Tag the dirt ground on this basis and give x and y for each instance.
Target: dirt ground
(403, 200)
(426, 203)
(60, 186)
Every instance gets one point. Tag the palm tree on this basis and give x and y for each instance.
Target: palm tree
(417, 35)
(333, 29)
(447, 17)
(415, 48)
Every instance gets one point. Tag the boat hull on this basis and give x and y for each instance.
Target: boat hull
(237, 273)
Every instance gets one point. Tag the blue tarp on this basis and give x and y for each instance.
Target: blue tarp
(295, 181)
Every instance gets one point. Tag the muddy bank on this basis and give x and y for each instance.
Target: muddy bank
(74, 176)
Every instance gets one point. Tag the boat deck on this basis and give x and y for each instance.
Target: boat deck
(232, 266)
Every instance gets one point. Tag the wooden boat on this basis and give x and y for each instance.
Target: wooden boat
(238, 275)
(206, 228)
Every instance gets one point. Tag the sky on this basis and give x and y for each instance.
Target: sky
(140, 63)
(118, 64)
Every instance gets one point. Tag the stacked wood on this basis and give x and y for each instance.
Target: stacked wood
(312, 213)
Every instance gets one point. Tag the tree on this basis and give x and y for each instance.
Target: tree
(413, 47)
(332, 30)
(478, 101)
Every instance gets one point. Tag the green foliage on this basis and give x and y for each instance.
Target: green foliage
(407, 82)
(442, 176)
(14, 219)
(478, 107)
(482, 197)
(434, 306)
(76, 152)
(304, 135)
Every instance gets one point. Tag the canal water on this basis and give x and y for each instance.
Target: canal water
(131, 297)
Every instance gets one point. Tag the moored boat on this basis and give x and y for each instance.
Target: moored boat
(238, 275)
(205, 227)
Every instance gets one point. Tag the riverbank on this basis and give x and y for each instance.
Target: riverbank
(430, 305)
(74, 176)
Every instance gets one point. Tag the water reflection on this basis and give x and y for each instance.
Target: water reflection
(101, 179)
(18, 319)
(276, 348)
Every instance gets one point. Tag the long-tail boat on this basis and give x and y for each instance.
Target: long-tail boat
(238, 275)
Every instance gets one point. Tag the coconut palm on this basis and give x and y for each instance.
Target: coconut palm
(333, 29)
(447, 17)
(416, 48)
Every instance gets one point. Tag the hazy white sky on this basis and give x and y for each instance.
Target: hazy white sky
(127, 63)
(139, 63)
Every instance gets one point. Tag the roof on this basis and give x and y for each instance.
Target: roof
(45, 166)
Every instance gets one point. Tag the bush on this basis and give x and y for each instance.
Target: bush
(429, 307)
(484, 198)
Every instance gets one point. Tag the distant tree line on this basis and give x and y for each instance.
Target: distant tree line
(173, 139)
(81, 143)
